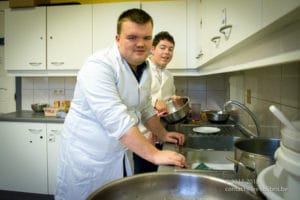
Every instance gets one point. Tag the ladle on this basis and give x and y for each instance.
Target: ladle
(282, 117)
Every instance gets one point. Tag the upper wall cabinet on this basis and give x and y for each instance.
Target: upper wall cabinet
(25, 39)
(69, 36)
(226, 23)
(274, 9)
(52, 38)
(171, 16)
(105, 16)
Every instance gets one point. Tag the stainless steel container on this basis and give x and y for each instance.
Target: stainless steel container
(39, 107)
(171, 186)
(256, 153)
(178, 109)
(217, 116)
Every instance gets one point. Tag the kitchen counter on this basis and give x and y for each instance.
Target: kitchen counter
(209, 156)
(29, 116)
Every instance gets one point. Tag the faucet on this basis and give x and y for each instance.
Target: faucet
(245, 108)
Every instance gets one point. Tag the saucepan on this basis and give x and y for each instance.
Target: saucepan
(171, 186)
(253, 155)
(217, 116)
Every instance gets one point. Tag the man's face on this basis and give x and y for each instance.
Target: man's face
(162, 53)
(134, 42)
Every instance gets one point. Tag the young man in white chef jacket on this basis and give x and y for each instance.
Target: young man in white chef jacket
(111, 98)
(162, 88)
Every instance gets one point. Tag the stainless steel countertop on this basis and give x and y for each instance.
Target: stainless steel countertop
(29, 116)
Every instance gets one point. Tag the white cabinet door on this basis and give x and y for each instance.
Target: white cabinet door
(23, 157)
(105, 16)
(194, 48)
(53, 145)
(209, 27)
(274, 9)
(25, 34)
(171, 16)
(69, 36)
(7, 84)
(244, 17)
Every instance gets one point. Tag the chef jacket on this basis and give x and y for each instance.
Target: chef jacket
(162, 86)
(108, 100)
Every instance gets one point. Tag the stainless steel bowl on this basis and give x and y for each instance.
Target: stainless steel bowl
(217, 116)
(172, 186)
(39, 107)
(177, 109)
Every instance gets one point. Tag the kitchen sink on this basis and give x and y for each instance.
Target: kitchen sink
(208, 162)
(217, 143)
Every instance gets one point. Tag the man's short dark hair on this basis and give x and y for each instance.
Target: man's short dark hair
(163, 35)
(136, 15)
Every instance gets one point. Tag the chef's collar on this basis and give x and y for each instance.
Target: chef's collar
(139, 71)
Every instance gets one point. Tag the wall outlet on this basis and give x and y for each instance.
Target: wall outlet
(58, 92)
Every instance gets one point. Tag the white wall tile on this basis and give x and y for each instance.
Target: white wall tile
(290, 85)
(215, 100)
(41, 96)
(27, 99)
(40, 83)
(27, 83)
(70, 83)
(264, 83)
(215, 82)
(196, 83)
(56, 83)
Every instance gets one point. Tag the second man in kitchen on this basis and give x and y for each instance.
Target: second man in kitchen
(162, 88)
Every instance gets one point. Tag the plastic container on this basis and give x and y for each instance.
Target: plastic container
(291, 138)
(287, 169)
(51, 111)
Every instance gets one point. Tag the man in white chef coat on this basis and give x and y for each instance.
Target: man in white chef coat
(162, 88)
(111, 98)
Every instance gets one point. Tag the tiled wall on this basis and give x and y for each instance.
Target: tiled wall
(209, 91)
(46, 90)
(277, 85)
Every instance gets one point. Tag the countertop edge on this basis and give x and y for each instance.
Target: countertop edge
(29, 116)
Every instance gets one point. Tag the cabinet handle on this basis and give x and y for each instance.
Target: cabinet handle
(4, 89)
(55, 131)
(226, 31)
(51, 138)
(35, 131)
(199, 55)
(216, 40)
(35, 63)
(57, 63)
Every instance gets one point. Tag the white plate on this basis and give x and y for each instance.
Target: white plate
(206, 129)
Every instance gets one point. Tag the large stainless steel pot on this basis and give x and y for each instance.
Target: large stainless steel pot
(177, 108)
(171, 186)
(256, 154)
